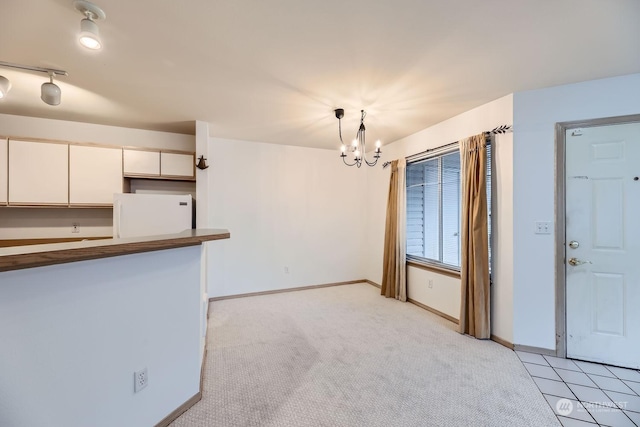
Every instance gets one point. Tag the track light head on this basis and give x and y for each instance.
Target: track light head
(89, 36)
(5, 86)
(50, 92)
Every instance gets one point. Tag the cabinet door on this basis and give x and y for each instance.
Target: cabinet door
(38, 173)
(95, 173)
(4, 171)
(177, 165)
(141, 162)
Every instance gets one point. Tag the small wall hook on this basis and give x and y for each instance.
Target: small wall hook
(202, 163)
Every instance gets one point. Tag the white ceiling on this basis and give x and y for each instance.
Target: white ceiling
(275, 70)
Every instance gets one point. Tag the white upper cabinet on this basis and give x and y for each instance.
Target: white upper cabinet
(95, 173)
(4, 170)
(50, 173)
(141, 162)
(177, 165)
(158, 164)
(38, 173)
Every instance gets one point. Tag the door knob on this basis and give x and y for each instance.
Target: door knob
(575, 261)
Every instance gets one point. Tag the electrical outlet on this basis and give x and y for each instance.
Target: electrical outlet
(543, 227)
(286, 270)
(140, 380)
(75, 227)
(430, 283)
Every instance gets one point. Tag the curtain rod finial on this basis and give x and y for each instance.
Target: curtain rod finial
(500, 130)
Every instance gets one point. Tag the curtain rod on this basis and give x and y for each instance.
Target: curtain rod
(495, 131)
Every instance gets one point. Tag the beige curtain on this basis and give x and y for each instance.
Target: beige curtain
(394, 280)
(474, 264)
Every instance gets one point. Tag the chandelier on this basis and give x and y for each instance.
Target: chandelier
(358, 146)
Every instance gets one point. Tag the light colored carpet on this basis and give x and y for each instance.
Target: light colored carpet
(346, 356)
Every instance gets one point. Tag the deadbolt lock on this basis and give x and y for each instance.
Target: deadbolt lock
(574, 245)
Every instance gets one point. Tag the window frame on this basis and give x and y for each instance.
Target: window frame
(436, 265)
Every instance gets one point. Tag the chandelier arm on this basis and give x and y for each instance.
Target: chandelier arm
(371, 163)
(349, 164)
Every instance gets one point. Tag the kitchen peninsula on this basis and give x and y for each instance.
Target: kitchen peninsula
(77, 320)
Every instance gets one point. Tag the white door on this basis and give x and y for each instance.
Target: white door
(602, 251)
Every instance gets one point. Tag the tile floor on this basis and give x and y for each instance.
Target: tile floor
(591, 394)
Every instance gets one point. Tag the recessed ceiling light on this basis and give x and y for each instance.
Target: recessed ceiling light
(89, 36)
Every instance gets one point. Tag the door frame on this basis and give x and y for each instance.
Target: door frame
(560, 211)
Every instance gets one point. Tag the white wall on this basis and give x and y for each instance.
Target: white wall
(535, 115)
(37, 223)
(50, 223)
(203, 219)
(502, 239)
(160, 186)
(445, 293)
(202, 188)
(73, 334)
(284, 206)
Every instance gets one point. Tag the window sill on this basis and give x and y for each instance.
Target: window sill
(434, 268)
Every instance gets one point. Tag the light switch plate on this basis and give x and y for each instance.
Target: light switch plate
(543, 227)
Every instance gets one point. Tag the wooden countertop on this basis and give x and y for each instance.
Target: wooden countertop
(20, 257)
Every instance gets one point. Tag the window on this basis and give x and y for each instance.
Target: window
(433, 208)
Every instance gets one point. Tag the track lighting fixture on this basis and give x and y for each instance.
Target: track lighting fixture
(89, 36)
(5, 86)
(50, 92)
